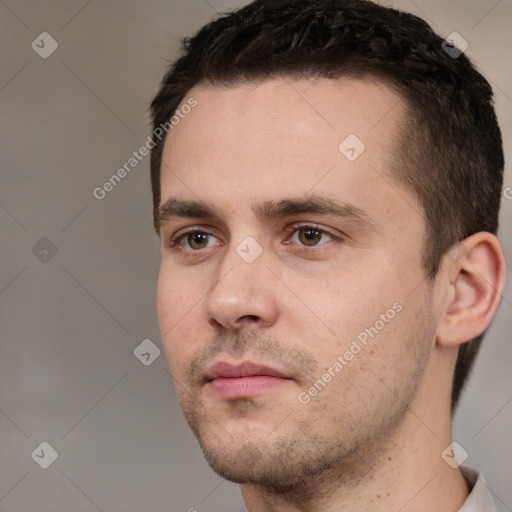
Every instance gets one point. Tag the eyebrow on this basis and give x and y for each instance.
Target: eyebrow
(270, 210)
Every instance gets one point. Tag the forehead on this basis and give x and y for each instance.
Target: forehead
(286, 138)
(315, 110)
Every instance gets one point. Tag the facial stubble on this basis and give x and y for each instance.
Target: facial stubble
(294, 453)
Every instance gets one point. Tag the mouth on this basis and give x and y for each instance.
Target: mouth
(245, 380)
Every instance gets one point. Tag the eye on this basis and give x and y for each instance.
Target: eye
(310, 236)
(194, 241)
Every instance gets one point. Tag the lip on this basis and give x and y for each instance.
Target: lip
(244, 380)
(247, 369)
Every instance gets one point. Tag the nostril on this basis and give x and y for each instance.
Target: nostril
(249, 318)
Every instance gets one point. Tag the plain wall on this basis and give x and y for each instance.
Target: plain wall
(69, 325)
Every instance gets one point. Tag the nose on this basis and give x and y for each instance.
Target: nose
(243, 293)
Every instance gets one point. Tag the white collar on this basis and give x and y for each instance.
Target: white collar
(479, 499)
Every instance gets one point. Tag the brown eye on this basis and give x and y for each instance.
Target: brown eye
(197, 240)
(309, 236)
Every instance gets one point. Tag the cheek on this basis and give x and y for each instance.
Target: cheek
(175, 303)
(342, 304)
(176, 294)
(382, 373)
(372, 323)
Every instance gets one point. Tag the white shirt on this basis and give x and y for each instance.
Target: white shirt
(479, 499)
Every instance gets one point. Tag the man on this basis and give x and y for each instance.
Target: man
(326, 183)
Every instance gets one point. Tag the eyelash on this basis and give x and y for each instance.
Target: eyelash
(175, 241)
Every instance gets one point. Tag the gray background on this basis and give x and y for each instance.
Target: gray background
(69, 325)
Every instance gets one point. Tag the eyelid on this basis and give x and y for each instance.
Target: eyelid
(301, 225)
(176, 238)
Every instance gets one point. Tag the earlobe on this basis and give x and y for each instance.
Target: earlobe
(475, 277)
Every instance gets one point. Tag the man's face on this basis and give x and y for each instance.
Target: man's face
(305, 254)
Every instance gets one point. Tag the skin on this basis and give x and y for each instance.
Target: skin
(373, 436)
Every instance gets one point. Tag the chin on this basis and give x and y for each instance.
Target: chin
(278, 465)
(256, 471)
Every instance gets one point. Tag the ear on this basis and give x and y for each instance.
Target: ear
(474, 277)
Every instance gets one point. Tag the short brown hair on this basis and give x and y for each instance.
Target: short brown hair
(449, 153)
